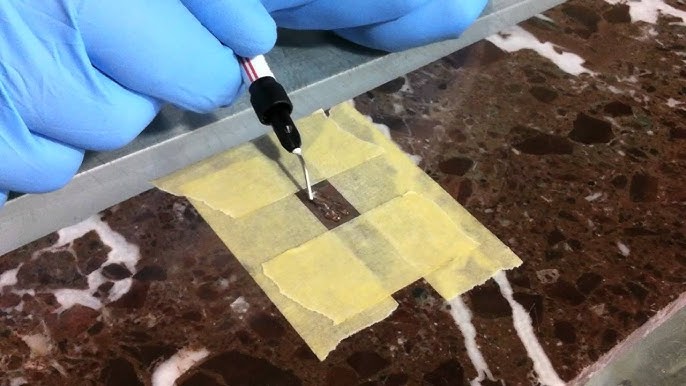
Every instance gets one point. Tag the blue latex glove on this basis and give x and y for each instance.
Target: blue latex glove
(78, 74)
(384, 25)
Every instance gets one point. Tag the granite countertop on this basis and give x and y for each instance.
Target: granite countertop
(564, 136)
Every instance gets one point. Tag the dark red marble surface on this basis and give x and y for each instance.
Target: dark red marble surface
(562, 168)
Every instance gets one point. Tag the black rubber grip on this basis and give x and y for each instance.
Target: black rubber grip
(268, 97)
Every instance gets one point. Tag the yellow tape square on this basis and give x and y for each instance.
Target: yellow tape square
(324, 276)
(421, 231)
(462, 274)
(333, 150)
(246, 194)
(257, 174)
(399, 236)
(266, 232)
(316, 330)
(371, 184)
(349, 269)
(371, 247)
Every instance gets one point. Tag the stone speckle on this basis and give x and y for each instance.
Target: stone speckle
(543, 94)
(542, 144)
(643, 187)
(367, 363)
(590, 130)
(458, 166)
(446, 374)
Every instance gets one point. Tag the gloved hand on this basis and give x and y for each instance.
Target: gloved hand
(78, 74)
(388, 25)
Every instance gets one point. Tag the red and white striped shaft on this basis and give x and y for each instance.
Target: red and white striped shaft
(255, 68)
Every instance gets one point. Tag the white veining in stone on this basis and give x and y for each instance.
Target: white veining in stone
(463, 319)
(167, 372)
(671, 102)
(544, 18)
(517, 38)
(120, 288)
(525, 330)
(68, 298)
(649, 10)
(240, 305)
(121, 252)
(39, 344)
(19, 381)
(9, 277)
(593, 196)
(623, 249)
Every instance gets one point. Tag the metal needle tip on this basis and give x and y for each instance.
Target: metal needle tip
(299, 153)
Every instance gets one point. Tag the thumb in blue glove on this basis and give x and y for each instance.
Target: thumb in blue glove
(78, 75)
(335, 14)
(435, 21)
(384, 25)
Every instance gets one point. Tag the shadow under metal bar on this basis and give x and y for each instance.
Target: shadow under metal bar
(337, 71)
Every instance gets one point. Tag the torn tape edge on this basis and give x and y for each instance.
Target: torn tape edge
(420, 274)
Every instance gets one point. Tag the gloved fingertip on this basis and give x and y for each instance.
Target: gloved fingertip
(336, 14)
(467, 13)
(232, 99)
(258, 43)
(436, 21)
(56, 175)
(246, 28)
(364, 37)
(223, 80)
(242, 89)
(128, 114)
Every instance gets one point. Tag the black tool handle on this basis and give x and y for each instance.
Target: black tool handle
(273, 107)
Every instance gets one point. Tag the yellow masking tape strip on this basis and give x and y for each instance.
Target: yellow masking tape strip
(392, 174)
(324, 276)
(461, 275)
(266, 232)
(351, 268)
(371, 172)
(259, 173)
(244, 195)
(316, 330)
(421, 231)
(320, 334)
(377, 253)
